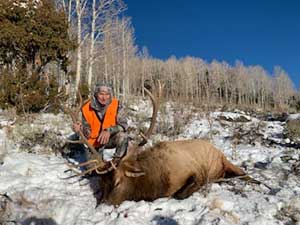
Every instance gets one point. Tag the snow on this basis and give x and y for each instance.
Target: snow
(35, 182)
(24, 4)
(294, 116)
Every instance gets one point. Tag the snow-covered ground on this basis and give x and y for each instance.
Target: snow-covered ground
(33, 189)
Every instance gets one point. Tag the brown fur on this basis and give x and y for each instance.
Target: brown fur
(172, 169)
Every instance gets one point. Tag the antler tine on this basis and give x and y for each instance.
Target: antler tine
(80, 103)
(155, 102)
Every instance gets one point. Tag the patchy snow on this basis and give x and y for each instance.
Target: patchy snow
(34, 191)
(294, 116)
(24, 4)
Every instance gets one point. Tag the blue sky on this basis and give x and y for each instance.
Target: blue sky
(256, 32)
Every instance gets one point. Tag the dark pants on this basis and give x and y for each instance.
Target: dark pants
(119, 141)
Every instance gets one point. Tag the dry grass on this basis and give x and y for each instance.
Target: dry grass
(37, 135)
(293, 129)
(5, 210)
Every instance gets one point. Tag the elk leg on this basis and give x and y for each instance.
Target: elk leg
(187, 189)
(232, 170)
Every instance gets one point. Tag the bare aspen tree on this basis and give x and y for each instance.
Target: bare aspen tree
(170, 70)
(187, 66)
(80, 9)
(102, 11)
(193, 82)
(266, 91)
(251, 92)
(144, 68)
(241, 77)
(110, 50)
(225, 81)
(218, 73)
(180, 76)
(92, 44)
(202, 67)
(283, 88)
(207, 84)
(135, 74)
(191, 70)
(258, 86)
(125, 83)
(128, 51)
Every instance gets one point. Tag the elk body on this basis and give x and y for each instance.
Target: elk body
(168, 169)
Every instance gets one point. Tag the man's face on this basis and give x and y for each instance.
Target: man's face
(103, 97)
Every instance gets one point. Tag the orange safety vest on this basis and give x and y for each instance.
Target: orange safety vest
(97, 125)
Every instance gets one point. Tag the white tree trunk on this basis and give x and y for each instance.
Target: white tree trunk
(124, 58)
(92, 46)
(105, 68)
(78, 64)
(80, 8)
(78, 59)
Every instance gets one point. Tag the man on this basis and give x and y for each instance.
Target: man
(103, 121)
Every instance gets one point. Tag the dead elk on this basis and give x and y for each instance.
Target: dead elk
(168, 169)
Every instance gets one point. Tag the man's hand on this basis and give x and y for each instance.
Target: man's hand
(77, 127)
(103, 137)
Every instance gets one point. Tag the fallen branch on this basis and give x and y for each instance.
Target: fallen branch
(245, 178)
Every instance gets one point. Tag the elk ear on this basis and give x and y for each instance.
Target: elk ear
(137, 173)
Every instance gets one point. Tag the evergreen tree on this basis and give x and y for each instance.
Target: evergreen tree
(33, 33)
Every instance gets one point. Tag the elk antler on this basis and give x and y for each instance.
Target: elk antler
(155, 102)
(97, 160)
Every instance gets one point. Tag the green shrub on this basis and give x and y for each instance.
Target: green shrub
(29, 93)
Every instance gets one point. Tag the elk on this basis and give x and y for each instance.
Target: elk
(167, 169)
